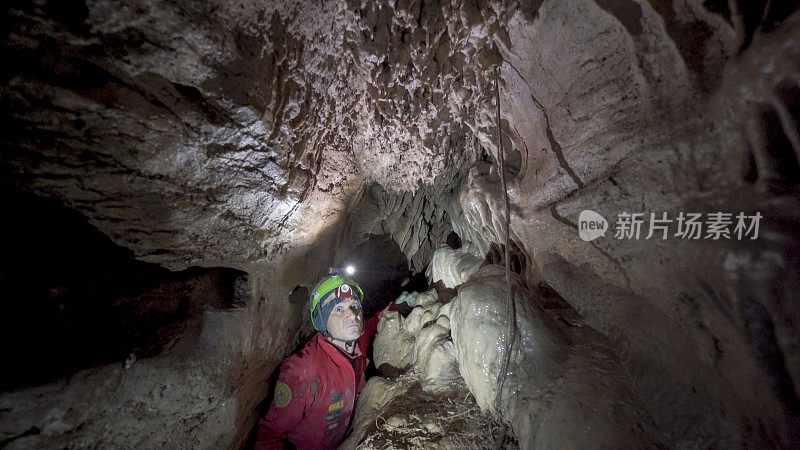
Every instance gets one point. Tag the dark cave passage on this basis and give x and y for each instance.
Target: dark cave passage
(72, 299)
(380, 269)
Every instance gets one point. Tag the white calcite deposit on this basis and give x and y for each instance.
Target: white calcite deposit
(426, 401)
(420, 340)
(562, 387)
(452, 267)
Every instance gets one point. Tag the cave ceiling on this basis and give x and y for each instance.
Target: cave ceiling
(207, 133)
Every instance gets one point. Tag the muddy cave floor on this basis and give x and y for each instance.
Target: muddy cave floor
(449, 418)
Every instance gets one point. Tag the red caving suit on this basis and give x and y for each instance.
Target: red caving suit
(316, 393)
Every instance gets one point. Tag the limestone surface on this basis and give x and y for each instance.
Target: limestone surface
(562, 388)
(452, 267)
(421, 401)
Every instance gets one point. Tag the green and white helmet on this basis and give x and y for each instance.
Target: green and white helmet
(330, 291)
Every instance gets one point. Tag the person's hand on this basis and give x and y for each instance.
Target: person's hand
(406, 298)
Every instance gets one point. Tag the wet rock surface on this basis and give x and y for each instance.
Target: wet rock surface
(74, 300)
(452, 267)
(274, 138)
(563, 383)
(419, 400)
(409, 417)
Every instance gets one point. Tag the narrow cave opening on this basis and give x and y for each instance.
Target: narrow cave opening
(73, 299)
(779, 156)
(382, 271)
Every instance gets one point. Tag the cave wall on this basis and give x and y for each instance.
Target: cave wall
(273, 138)
(631, 114)
(73, 300)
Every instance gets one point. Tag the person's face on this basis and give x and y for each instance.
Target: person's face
(346, 321)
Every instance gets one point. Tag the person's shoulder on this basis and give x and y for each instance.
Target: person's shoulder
(303, 362)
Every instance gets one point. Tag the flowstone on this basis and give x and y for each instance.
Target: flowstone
(563, 386)
(261, 136)
(419, 342)
(452, 267)
(421, 402)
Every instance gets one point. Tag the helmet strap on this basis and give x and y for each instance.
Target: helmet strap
(330, 336)
(333, 339)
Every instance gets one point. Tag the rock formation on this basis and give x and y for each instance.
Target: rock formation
(419, 399)
(274, 138)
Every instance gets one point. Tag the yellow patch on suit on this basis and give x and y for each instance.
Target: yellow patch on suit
(335, 406)
(283, 395)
